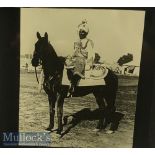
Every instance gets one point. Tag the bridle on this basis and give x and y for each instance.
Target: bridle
(39, 64)
(36, 70)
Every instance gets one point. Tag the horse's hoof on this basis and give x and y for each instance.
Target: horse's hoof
(65, 119)
(109, 132)
(59, 132)
(48, 129)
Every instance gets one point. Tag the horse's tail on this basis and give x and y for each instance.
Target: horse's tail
(112, 86)
(112, 80)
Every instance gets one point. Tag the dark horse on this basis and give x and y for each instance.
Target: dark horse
(53, 71)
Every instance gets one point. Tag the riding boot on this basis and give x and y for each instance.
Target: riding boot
(74, 83)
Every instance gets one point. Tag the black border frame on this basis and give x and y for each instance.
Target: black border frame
(144, 130)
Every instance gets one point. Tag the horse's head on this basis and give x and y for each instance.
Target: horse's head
(40, 46)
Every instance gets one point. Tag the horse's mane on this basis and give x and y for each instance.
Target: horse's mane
(52, 51)
(60, 59)
(56, 62)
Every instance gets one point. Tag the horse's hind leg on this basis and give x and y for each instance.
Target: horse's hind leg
(110, 109)
(101, 105)
(52, 100)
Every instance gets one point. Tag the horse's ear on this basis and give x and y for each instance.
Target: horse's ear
(38, 35)
(46, 36)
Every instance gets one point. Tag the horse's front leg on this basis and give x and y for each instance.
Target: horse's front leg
(60, 103)
(52, 100)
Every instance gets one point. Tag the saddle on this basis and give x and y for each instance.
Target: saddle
(90, 76)
(98, 71)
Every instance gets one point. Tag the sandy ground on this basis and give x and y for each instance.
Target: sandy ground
(34, 115)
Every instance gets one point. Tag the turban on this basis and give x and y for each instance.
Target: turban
(83, 26)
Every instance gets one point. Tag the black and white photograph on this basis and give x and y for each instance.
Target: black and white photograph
(79, 75)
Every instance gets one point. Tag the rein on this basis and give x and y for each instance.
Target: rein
(36, 75)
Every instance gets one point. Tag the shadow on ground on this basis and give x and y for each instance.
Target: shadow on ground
(91, 115)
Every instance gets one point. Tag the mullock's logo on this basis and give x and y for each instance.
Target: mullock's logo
(26, 138)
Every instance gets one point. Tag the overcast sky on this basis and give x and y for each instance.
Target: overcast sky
(114, 32)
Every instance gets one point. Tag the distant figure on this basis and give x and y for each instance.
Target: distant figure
(26, 66)
(83, 56)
